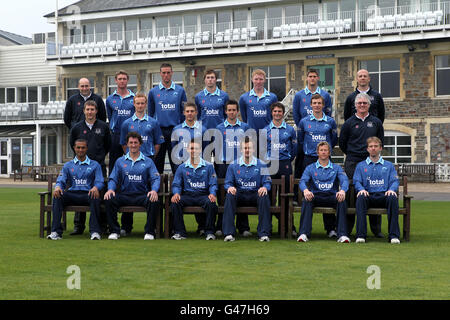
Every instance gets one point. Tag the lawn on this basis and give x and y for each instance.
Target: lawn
(131, 268)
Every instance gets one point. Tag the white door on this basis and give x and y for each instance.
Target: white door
(5, 157)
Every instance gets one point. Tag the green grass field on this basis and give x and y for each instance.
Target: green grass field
(131, 268)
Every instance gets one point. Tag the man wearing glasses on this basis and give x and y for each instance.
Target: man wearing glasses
(353, 142)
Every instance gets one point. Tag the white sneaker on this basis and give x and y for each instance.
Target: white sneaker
(149, 236)
(95, 236)
(178, 236)
(395, 240)
(264, 238)
(360, 240)
(344, 239)
(229, 238)
(113, 236)
(247, 234)
(54, 236)
(302, 238)
(332, 234)
(219, 233)
(210, 237)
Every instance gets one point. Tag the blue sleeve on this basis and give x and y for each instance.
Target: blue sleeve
(226, 98)
(296, 109)
(151, 105)
(266, 181)
(393, 179)
(62, 178)
(229, 178)
(183, 101)
(123, 133)
(157, 134)
(343, 179)
(294, 144)
(334, 136)
(328, 105)
(358, 178)
(177, 180)
(212, 181)
(99, 180)
(109, 110)
(300, 135)
(197, 103)
(304, 180)
(155, 178)
(243, 108)
(114, 177)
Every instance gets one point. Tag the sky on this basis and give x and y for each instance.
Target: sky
(25, 17)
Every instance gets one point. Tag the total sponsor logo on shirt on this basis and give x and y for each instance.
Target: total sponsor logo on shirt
(376, 182)
(80, 182)
(233, 144)
(324, 186)
(123, 112)
(278, 146)
(247, 184)
(167, 106)
(318, 137)
(134, 177)
(212, 112)
(197, 185)
(259, 113)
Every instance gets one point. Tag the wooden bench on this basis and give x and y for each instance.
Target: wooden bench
(405, 210)
(45, 222)
(277, 195)
(25, 170)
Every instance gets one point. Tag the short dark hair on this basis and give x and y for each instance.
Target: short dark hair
(232, 102)
(194, 140)
(80, 140)
(317, 96)
(245, 140)
(190, 104)
(121, 72)
(90, 103)
(165, 65)
(277, 105)
(135, 135)
(312, 71)
(210, 71)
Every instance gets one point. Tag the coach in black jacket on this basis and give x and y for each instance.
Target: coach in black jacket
(73, 112)
(376, 100)
(353, 142)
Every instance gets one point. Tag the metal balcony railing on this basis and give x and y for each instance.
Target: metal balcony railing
(53, 110)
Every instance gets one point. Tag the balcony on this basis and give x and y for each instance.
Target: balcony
(14, 112)
(333, 29)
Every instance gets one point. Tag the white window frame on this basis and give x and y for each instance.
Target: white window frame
(436, 69)
(394, 158)
(112, 86)
(379, 73)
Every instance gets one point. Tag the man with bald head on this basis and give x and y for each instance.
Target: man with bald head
(376, 100)
(73, 112)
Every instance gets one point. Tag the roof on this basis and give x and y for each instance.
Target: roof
(89, 6)
(15, 38)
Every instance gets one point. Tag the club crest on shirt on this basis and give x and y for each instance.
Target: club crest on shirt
(369, 124)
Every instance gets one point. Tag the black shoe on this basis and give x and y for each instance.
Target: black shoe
(379, 235)
(77, 231)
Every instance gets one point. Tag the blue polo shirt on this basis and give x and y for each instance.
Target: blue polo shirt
(80, 175)
(317, 178)
(281, 142)
(166, 105)
(311, 131)
(201, 180)
(181, 137)
(255, 111)
(375, 177)
(149, 130)
(247, 177)
(211, 107)
(231, 138)
(119, 109)
(302, 104)
(140, 176)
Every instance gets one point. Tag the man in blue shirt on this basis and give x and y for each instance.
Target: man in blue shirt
(312, 130)
(247, 184)
(281, 147)
(255, 104)
(232, 131)
(119, 107)
(302, 108)
(376, 183)
(165, 104)
(323, 184)
(145, 125)
(139, 183)
(84, 178)
(194, 184)
(211, 101)
(352, 140)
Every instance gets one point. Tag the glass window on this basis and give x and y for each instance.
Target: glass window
(146, 28)
(429, 5)
(10, 95)
(162, 26)
(310, 11)
(258, 17)
(101, 32)
(132, 84)
(2, 95)
(442, 75)
(366, 4)
(190, 23)
(88, 33)
(176, 25)
(348, 5)
(292, 14)
(384, 76)
(32, 94)
(45, 94)
(240, 18)
(330, 10)
(274, 19)
(207, 21)
(52, 93)
(223, 20)
(75, 36)
(72, 86)
(397, 147)
(22, 94)
(131, 30)
(116, 31)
